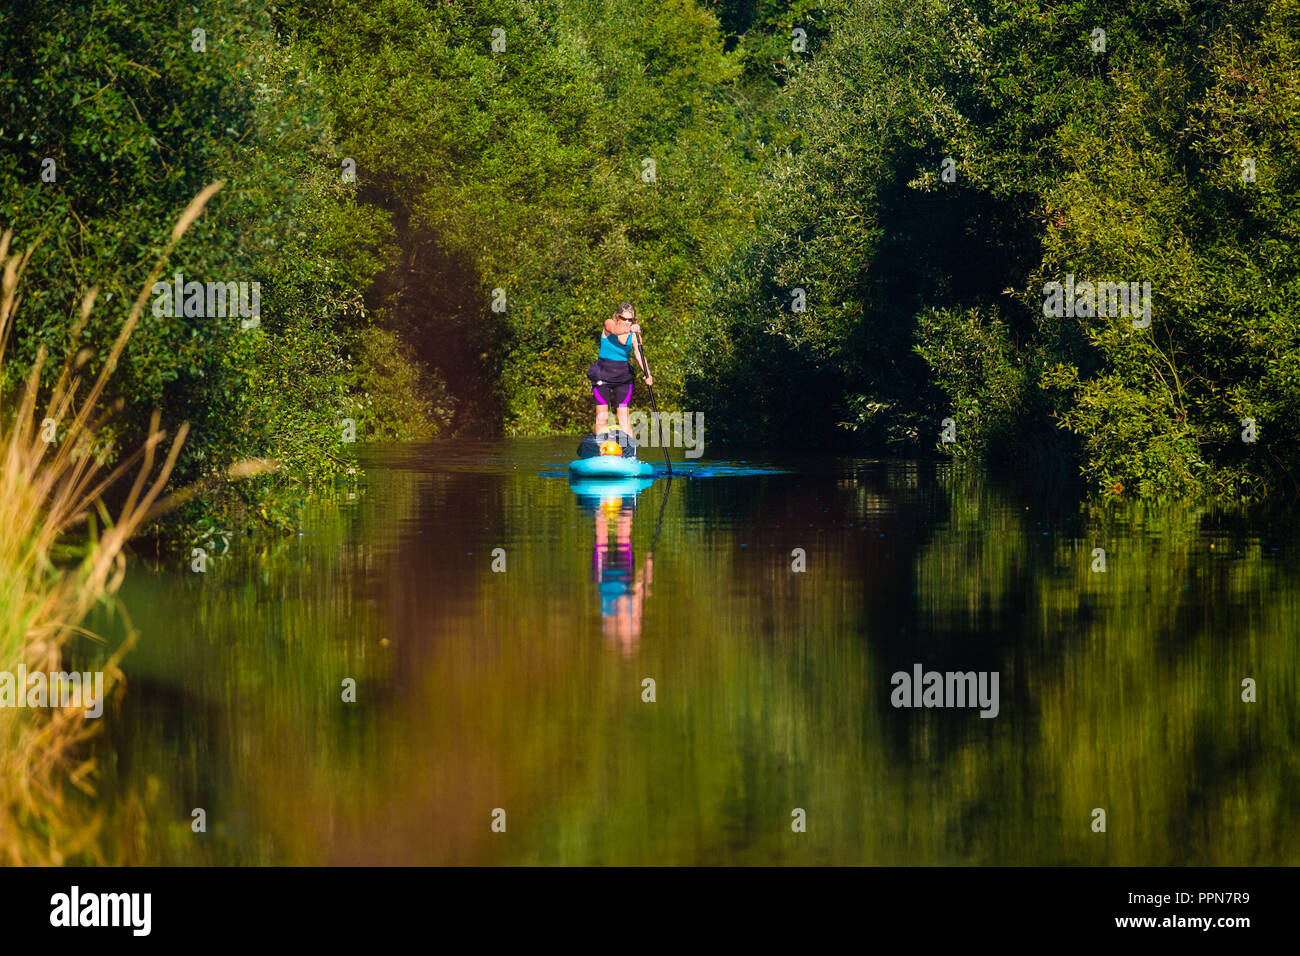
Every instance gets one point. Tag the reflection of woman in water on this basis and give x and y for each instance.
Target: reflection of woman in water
(623, 589)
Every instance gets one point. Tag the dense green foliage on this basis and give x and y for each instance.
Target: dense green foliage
(527, 169)
(136, 119)
(925, 293)
(837, 219)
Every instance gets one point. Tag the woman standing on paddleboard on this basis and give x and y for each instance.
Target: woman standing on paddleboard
(611, 374)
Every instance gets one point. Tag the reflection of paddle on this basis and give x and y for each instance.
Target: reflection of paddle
(640, 355)
(659, 522)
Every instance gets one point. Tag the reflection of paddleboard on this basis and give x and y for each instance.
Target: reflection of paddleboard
(610, 466)
(604, 488)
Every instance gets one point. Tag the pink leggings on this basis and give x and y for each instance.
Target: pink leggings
(601, 400)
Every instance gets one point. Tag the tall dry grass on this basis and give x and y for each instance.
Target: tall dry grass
(51, 492)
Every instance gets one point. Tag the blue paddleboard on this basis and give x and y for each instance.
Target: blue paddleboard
(610, 466)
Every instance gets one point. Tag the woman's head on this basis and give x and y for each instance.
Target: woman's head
(626, 312)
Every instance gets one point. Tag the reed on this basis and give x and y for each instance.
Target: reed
(61, 553)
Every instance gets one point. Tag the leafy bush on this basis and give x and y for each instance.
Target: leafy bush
(137, 116)
(947, 160)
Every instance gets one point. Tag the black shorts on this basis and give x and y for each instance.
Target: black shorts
(611, 382)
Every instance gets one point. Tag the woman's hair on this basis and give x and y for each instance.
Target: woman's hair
(625, 307)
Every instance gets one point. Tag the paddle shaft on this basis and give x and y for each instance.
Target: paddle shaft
(654, 407)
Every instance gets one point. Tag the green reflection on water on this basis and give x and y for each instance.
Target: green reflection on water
(478, 690)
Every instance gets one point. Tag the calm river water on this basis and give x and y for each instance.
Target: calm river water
(500, 630)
